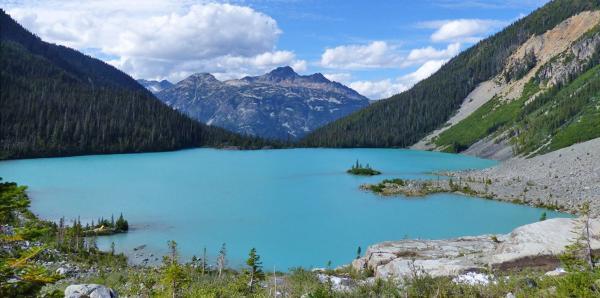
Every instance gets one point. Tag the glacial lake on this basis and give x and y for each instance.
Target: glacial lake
(298, 207)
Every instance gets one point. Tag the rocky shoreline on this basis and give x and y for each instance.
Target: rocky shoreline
(533, 246)
(562, 180)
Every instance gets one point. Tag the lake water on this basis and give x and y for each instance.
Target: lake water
(297, 207)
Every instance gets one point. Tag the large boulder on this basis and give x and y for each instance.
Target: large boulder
(535, 245)
(89, 291)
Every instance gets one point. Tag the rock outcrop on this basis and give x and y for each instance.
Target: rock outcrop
(89, 291)
(536, 245)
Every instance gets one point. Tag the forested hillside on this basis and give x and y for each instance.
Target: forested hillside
(559, 106)
(405, 118)
(55, 101)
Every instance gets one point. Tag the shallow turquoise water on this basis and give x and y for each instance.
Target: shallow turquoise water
(297, 207)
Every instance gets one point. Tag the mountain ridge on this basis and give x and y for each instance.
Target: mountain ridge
(406, 118)
(155, 86)
(531, 111)
(280, 104)
(56, 101)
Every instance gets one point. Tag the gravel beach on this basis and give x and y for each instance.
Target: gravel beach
(562, 180)
(566, 177)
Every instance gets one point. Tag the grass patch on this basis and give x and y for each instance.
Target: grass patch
(486, 120)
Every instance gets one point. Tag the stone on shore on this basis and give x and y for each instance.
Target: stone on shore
(536, 245)
(89, 291)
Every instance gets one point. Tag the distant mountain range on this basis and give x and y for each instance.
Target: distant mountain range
(56, 101)
(155, 86)
(278, 105)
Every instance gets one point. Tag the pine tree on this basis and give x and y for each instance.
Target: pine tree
(121, 225)
(173, 275)
(256, 273)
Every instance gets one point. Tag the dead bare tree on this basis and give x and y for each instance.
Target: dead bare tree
(585, 212)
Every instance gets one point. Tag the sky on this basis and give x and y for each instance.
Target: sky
(377, 47)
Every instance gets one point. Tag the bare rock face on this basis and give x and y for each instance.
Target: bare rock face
(570, 63)
(534, 245)
(89, 291)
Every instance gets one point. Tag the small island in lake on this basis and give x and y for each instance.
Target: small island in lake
(105, 227)
(359, 169)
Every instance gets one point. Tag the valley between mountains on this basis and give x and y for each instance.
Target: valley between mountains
(266, 168)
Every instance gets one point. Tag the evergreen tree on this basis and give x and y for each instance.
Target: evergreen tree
(173, 273)
(121, 225)
(255, 274)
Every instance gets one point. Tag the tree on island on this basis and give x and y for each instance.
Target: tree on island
(121, 225)
(359, 169)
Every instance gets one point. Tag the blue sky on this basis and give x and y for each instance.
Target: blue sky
(377, 47)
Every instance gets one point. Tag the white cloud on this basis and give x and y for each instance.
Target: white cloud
(156, 39)
(378, 89)
(428, 53)
(377, 54)
(299, 65)
(386, 88)
(462, 30)
(340, 77)
(424, 71)
(224, 67)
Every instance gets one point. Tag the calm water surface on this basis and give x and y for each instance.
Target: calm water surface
(297, 207)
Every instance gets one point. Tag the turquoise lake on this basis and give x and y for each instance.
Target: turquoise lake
(298, 207)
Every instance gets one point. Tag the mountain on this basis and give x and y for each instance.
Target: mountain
(278, 105)
(408, 117)
(547, 97)
(155, 86)
(55, 101)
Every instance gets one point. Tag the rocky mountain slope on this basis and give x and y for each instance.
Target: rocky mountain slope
(503, 65)
(278, 105)
(545, 98)
(155, 86)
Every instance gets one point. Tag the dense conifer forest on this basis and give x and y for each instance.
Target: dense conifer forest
(407, 117)
(55, 101)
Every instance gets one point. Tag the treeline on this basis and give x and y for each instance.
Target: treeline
(55, 101)
(405, 118)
